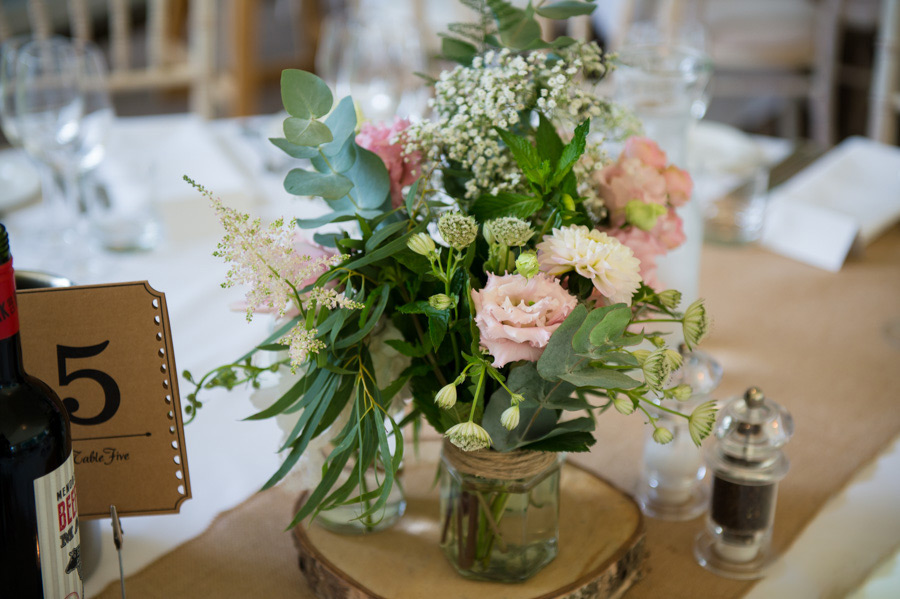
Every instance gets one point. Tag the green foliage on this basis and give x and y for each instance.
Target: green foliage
(304, 95)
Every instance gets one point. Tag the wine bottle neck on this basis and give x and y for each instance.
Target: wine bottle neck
(10, 345)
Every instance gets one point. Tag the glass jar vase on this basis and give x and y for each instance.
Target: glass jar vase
(499, 512)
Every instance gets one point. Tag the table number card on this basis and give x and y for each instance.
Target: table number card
(107, 351)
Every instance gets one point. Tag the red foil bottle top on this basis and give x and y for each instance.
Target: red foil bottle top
(9, 313)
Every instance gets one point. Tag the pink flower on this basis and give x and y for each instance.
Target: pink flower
(646, 247)
(630, 179)
(516, 316)
(645, 150)
(669, 230)
(387, 142)
(678, 184)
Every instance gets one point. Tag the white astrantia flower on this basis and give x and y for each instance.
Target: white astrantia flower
(609, 264)
(457, 229)
(509, 231)
(657, 369)
(701, 421)
(446, 397)
(695, 324)
(468, 436)
(682, 392)
(623, 404)
(421, 243)
(510, 417)
(670, 298)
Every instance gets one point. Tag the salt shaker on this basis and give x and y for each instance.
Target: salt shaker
(747, 463)
(672, 485)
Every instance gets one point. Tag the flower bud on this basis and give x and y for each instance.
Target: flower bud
(440, 301)
(643, 216)
(527, 264)
(695, 324)
(662, 435)
(623, 404)
(567, 202)
(681, 392)
(657, 341)
(421, 243)
(670, 298)
(446, 397)
(510, 417)
(516, 398)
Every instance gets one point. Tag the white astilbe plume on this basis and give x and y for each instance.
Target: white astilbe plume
(263, 259)
(301, 342)
(331, 299)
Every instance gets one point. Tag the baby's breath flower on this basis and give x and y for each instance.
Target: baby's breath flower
(670, 298)
(623, 404)
(301, 342)
(331, 299)
(695, 324)
(440, 301)
(662, 435)
(701, 421)
(510, 417)
(446, 397)
(457, 229)
(468, 436)
(527, 264)
(421, 243)
(508, 230)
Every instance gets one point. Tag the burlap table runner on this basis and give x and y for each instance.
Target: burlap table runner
(812, 340)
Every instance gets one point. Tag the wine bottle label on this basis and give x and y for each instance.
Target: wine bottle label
(58, 538)
(9, 314)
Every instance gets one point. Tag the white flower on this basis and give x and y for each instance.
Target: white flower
(701, 421)
(421, 243)
(510, 417)
(623, 404)
(662, 435)
(610, 265)
(508, 230)
(457, 229)
(695, 324)
(446, 397)
(468, 436)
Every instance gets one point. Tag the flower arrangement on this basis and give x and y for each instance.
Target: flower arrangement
(512, 259)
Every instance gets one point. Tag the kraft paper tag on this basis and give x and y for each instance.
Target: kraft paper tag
(107, 351)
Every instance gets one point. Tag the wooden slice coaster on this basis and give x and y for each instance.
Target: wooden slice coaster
(601, 549)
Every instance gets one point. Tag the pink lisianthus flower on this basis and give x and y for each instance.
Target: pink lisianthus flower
(516, 316)
(386, 141)
(626, 180)
(646, 248)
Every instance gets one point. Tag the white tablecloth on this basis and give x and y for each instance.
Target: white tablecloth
(229, 459)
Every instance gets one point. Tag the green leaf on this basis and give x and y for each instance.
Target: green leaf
(570, 442)
(285, 401)
(330, 186)
(601, 378)
(437, 325)
(334, 217)
(293, 150)
(304, 95)
(384, 233)
(370, 322)
(386, 250)
(458, 50)
(549, 144)
(408, 349)
(410, 200)
(607, 321)
(521, 33)
(559, 353)
(342, 122)
(370, 177)
(506, 204)
(571, 153)
(306, 132)
(525, 154)
(565, 9)
(340, 162)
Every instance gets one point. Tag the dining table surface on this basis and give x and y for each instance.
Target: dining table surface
(230, 459)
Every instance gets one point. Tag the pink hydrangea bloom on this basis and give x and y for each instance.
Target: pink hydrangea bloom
(646, 150)
(646, 247)
(679, 185)
(516, 316)
(386, 141)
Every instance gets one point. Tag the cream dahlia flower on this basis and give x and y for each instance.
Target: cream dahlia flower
(610, 265)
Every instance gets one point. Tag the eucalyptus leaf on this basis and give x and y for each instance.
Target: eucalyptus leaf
(601, 378)
(612, 325)
(559, 353)
(306, 132)
(305, 95)
(338, 163)
(293, 150)
(342, 122)
(370, 176)
(334, 217)
(329, 186)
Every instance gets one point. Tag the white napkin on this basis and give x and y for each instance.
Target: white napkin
(850, 193)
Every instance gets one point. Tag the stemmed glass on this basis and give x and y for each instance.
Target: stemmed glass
(62, 113)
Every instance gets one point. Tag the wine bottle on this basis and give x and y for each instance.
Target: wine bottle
(39, 539)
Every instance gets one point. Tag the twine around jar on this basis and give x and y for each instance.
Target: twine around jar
(508, 465)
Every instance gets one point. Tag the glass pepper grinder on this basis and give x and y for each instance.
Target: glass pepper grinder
(672, 484)
(746, 463)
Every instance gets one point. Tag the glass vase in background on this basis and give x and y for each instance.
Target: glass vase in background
(662, 77)
(499, 523)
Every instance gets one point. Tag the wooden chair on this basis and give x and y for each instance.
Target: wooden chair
(171, 61)
(885, 99)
